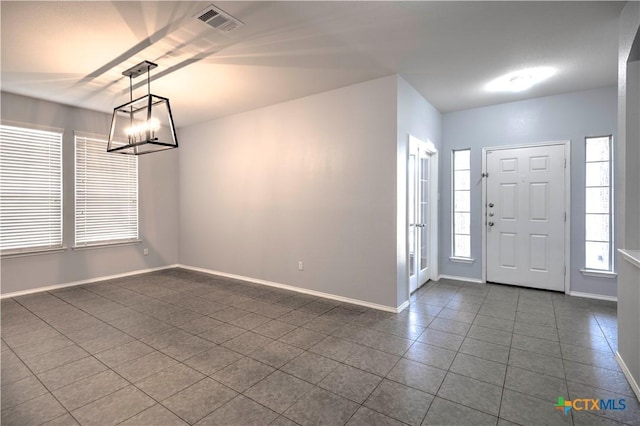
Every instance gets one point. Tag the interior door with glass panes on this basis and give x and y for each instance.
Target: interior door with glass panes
(419, 232)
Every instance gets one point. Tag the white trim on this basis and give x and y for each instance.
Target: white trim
(631, 256)
(457, 278)
(598, 274)
(627, 374)
(567, 205)
(32, 252)
(461, 259)
(593, 296)
(90, 246)
(402, 307)
(87, 281)
(296, 289)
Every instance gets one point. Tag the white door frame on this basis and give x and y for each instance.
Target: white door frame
(567, 204)
(434, 200)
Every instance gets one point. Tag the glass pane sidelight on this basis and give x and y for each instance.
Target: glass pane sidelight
(598, 204)
(461, 211)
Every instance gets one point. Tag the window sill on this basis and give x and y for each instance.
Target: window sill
(34, 252)
(598, 274)
(104, 245)
(462, 259)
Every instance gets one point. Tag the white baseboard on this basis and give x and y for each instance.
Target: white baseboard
(87, 281)
(627, 374)
(456, 278)
(402, 307)
(298, 289)
(593, 296)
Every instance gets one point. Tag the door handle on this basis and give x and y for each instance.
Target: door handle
(490, 213)
(490, 223)
(490, 204)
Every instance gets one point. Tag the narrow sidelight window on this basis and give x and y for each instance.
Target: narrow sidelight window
(461, 197)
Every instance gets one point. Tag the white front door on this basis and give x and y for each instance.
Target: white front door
(422, 205)
(525, 216)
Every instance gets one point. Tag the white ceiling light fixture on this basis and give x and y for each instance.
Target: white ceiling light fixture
(519, 81)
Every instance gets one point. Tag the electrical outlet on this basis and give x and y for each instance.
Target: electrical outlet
(300, 266)
(146, 252)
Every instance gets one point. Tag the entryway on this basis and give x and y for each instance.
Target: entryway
(526, 203)
(422, 206)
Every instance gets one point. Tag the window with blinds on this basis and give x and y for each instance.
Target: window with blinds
(30, 189)
(106, 198)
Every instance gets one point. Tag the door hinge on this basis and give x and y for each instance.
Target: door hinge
(565, 163)
(565, 270)
(485, 175)
(565, 216)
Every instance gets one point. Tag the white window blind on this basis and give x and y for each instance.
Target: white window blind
(106, 194)
(30, 189)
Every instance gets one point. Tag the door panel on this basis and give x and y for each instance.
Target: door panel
(525, 195)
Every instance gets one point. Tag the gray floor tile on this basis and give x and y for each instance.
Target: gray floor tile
(222, 333)
(535, 362)
(298, 318)
(172, 336)
(430, 355)
(38, 363)
(12, 368)
(44, 346)
(367, 417)
(443, 412)
(528, 410)
(537, 345)
(456, 315)
(485, 350)
(282, 421)
(276, 354)
(548, 333)
(471, 393)
(480, 369)
(70, 373)
(319, 407)
(334, 348)
(631, 413)
(188, 348)
(495, 323)
(324, 325)
(449, 326)
(592, 357)
(247, 342)
(417, 375)
(169, 381)
(243, 374)
(250, 321)
(199, 400)
(145, 366)
(602, 378)
(400, 402)
(240, 411)
(64, 420)
(114, 408)
(274, 329)
(214, 359)
(372, 360)
(92, 388)
(33, 412)
(156, 415)
(310, 367)
(200, 324)
(20, 391)
(124, 353)
(278, 391)
(301, 337)
(490, 335)
(580, 418)
(441, 339)
(351, 383)
(534, 384)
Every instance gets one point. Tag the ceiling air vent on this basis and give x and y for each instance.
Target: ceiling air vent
(219, 19)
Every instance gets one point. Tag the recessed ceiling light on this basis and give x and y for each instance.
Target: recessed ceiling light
(521, 80)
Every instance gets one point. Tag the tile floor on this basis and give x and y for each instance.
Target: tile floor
(177, 347)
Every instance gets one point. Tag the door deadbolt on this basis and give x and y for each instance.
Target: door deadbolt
(490, 223)
(490, 204)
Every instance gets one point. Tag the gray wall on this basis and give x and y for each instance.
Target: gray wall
(416, 117)
(157, 207)
(628, 214)
(571, 116)
(311, 180)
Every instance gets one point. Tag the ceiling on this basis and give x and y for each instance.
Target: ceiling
(74, 52)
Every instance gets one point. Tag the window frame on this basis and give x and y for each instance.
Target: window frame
(97, 243)
(455, 256)
(610, 213)
(31, 131)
